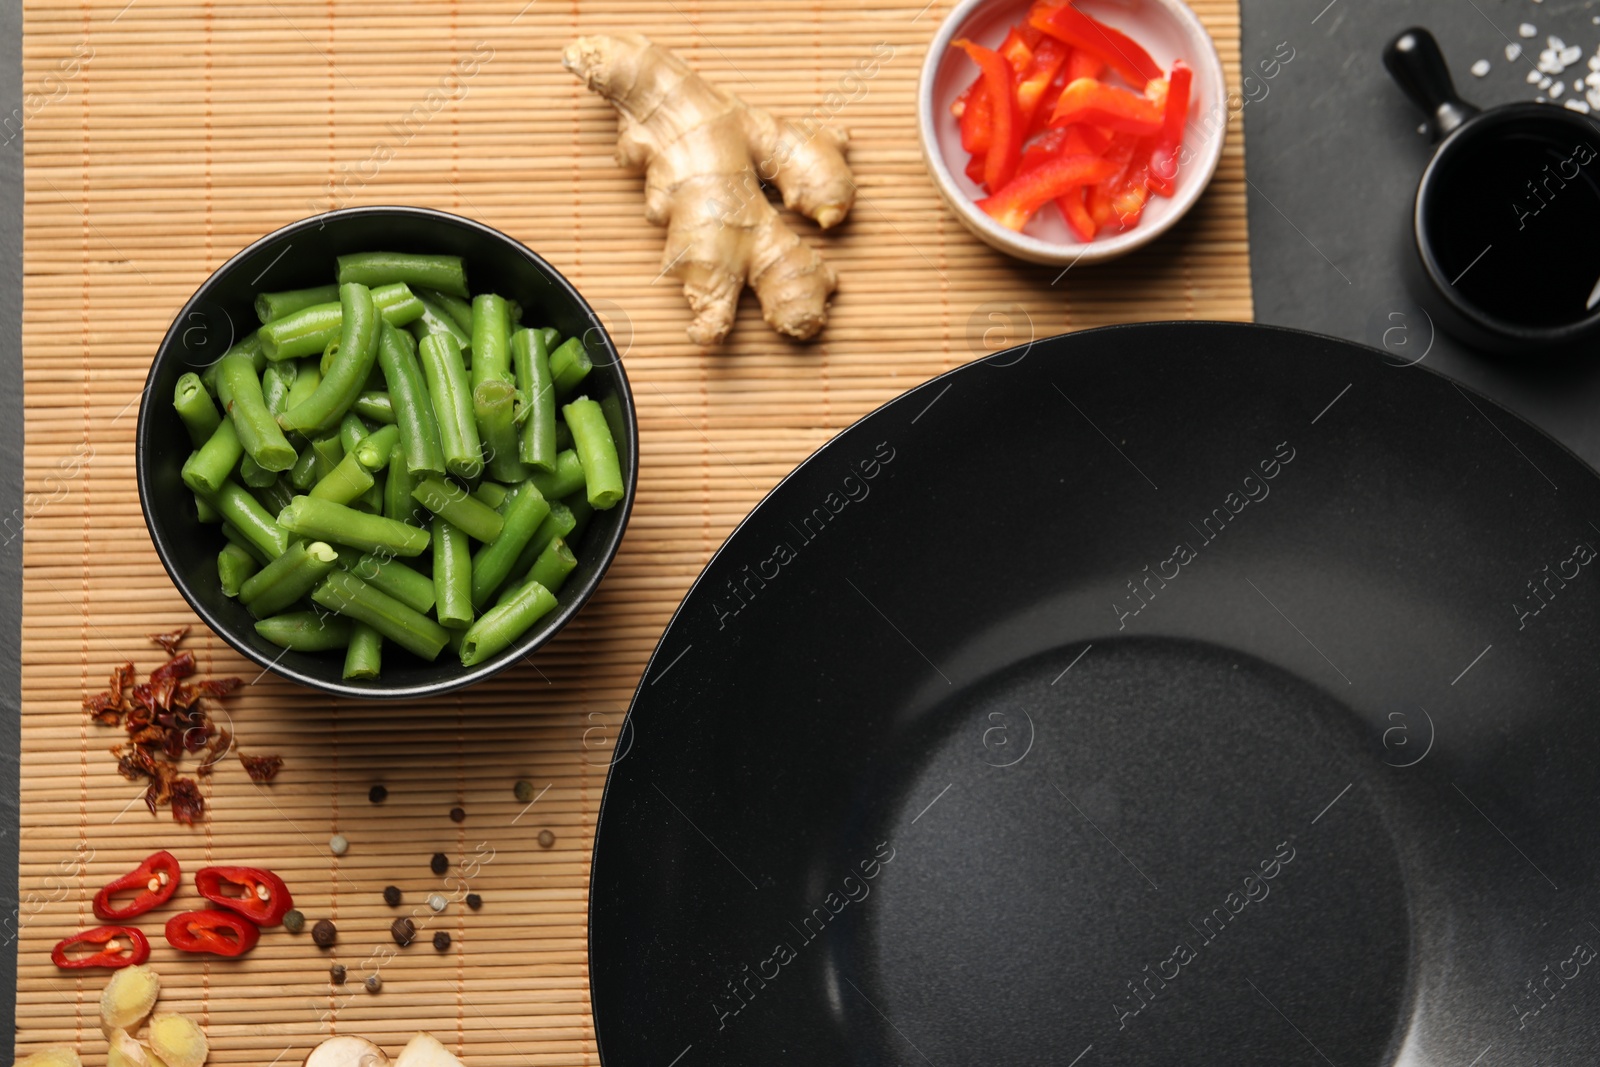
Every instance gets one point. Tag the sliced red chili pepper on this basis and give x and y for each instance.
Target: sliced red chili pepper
(132, 947)
(1005, 140)
(1077, 215)
(1025, 194)
(1113, 47)
(258, 895)
(1048, 58)
(1107, 106)
(154, 881)
(1174, 117)
(220, 933)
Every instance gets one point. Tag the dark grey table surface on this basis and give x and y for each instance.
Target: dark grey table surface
(1333, 156)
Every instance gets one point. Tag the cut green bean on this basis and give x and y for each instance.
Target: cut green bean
(563, 437)
(411, 404)
(492, 494)
(591, 437)
(565, 480)
(582, 512)
(196, 408)
(235, 504)
(494, 409)
(536, 444)
(435, 319)
(397, 304)
(553, 565)
(248, 345)
(231, 534)
(459, 309)
(492, 563)
(306, 332)
(352, 431)
(271, 306)
(398, 503)
(277, 382)
(358, 351)
(363, 657)
(452, 503)
(254, 475)
(234, 567)
(569, 365)
(288, 578)
(274, 497)
(411, 588)
(559, 523)
(444, 273)
(323, 520)
(211, 464)
(452, 575)
(306, 631)
(303, 475)
(355, 599)
(374, 449)
(330, 452)
(239, 389)
(440, 358)
(552, 337)
(203, 511)
(306, 379)
(374, 407)
(491, 340)
(371, 501)
(507, 621)
(345, 482)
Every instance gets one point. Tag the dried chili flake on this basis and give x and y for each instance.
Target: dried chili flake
(103, 708)
(122, 678)
(188, 806)
(169, 640)
(261, 768)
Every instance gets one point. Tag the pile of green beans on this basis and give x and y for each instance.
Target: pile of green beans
(393, 460)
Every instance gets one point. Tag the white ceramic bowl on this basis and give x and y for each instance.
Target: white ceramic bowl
(1167, 29)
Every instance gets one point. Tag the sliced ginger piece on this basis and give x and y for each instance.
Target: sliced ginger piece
(705, 154)
(128, 998)
(424, 1050)
(124, 1050)
(344, 1051)
(59, 1056)
(177, 1040)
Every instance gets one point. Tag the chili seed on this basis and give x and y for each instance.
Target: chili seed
(338, 844)
(524, 790)
(373, 983)
(546, 839)
(324, 933)
(439, 863)
(437, 903)
(154, 884)
(113, 945)
(404, 931)
(441, 940)
(474, 901)
(391, 895)
(294, 920)
(263, 893)
(458, 815)
(377, 794)
(336, 972)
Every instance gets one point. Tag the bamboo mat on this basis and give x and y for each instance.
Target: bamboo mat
(162, 136)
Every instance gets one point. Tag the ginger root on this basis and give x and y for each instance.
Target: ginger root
(705, 154)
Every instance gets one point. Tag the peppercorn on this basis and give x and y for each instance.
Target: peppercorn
(336, 972)
(378, 794)
(458, 815)
(374, 983)
(474, 901)
(524, 790)
(439, 863)
(324, 933)
(546, 839)
(294, 920)
(404, 931)
(441, 940)
(391, 895)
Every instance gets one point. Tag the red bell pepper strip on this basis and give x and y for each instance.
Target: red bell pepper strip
(1005, 138)
(220, 933)
(1174, 117)
(1085, 140)
(1113, 47)
(974, 113)
(1077, 216)
(258, 895)
(1084, 64)
(1025, 194)
(975, 168)
(154, 881)
(132, 947)
(1106, 106)
(1032, 84)
(1018, 52)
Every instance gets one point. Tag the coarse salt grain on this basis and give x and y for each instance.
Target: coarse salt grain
(1480, 68)
(1557, 89)
(1533, 77)
(1527, 29)
(1513, 50)
(1577, 105)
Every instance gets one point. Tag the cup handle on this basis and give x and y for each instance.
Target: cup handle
(1418, 67)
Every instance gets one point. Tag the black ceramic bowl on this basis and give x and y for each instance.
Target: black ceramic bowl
(302, 254)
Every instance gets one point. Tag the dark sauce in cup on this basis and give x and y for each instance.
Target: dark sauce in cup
(1514, 222)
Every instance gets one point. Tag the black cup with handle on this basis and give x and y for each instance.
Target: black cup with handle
(1506, 224)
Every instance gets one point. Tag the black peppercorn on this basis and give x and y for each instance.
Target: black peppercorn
(324, 933)
(546, 839)
(391, 895)
(378, 794)
(474, 901)
(373, 983)
(404, 931)
(441, 940)
(294, 920)
(440, 863)
(336, 972)
(458, 815)
(523, 791)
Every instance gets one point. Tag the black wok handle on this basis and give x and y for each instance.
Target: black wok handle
(1418, 67)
